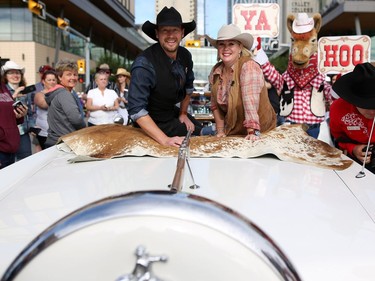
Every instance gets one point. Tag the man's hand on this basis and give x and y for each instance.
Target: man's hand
(359, 152)
(174, 141)
(185, 119)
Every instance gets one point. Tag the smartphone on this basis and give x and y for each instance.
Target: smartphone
(17, 104)
(28, 89)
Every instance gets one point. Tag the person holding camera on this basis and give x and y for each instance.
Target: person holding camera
(13, 79)
(352, 116)
(10, 116)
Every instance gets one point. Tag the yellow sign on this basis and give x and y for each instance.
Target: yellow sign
(62, 23)
(81, 66)
(193, 43)
(38, 8)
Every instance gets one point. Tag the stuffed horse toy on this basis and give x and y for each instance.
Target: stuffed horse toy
(303, 91)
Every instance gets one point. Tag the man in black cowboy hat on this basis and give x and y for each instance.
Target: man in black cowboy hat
(161, 77)
(352, 116)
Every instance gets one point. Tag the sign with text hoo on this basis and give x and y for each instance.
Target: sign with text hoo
(340, 54)
(260, 20)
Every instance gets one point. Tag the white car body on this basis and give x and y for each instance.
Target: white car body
(323, 220)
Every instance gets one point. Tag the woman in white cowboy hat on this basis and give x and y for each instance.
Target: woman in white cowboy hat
(161, 77)
(14, 79)
(9, 115)
(352, 116)
(239, 100)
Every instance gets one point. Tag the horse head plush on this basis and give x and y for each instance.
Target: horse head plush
(304, 93)
(304, 37)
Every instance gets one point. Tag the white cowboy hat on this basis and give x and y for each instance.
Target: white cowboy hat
(232, 32)
(11, 65)
(302, 23)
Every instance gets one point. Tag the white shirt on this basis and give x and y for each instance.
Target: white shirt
(98, 117)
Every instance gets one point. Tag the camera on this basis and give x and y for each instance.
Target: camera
(372, 160)
(17, 104)
(28, 89)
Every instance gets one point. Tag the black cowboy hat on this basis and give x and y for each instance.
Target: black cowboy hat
(167, 17)
(358, 86)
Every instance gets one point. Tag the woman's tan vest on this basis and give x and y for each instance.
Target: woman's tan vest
(235, 115)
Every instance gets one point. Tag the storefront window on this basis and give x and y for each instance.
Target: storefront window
(15, 24)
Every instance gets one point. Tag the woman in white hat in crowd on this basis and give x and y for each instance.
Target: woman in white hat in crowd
(239, 99)
(10, 116)
(14, 80)
(123, 81)
(352, 116)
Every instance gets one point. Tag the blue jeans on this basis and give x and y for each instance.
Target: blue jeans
(6, 159)
(24, 150)
(312, 130)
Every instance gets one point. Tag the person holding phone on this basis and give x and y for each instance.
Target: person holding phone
(352, 116)
(9, 118)
(12, 76)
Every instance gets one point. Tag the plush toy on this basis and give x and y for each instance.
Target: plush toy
(303, 91)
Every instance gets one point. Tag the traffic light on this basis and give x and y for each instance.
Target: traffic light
(193, 43)
(62, 23)
(81, 78)
(81, 66)
(38, 8)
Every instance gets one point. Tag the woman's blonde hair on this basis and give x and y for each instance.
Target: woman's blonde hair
(65, 65)
(244, 53)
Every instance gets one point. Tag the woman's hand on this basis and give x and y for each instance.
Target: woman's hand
(252, 137)
(221, 135)
(21, 111)
(17, 92)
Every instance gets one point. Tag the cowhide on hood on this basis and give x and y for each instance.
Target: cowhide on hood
(287, 142)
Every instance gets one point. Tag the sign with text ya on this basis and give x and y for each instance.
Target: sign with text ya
(260, 20)
(340, 54)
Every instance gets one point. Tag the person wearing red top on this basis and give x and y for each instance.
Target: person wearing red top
(352, 115)
(9, 134)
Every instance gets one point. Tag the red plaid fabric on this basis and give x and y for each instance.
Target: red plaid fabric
(301, 112)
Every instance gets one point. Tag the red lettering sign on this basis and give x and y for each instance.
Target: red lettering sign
(340, 54)
(261, 20)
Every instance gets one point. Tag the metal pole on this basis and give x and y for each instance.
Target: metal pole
(87, 54)
(357, 22)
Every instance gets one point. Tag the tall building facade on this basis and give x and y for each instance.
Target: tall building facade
(96, 29)
(187, 8)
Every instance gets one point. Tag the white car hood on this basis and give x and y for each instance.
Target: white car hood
(322, 219)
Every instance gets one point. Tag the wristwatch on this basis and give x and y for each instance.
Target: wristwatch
(254, 132)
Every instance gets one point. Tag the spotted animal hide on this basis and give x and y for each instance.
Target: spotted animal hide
(287, 142)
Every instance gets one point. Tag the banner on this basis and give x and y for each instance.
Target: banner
(260, 20)
(340, 54)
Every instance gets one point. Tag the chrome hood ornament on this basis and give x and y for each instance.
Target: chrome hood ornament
(142, 270)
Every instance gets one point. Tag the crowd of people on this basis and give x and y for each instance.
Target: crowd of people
(155, 96)
(34, 117)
